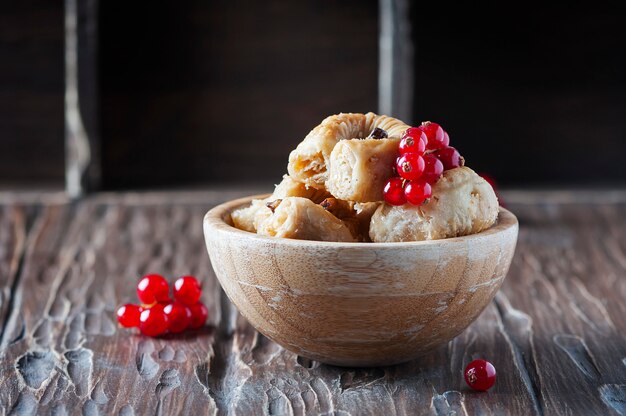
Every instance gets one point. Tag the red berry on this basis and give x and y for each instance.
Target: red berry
(450, 157)
(433, 169)
(413, 141)
(480, 375)
(393, 193)
(187, 290)
(153, 321)
(434, 133)
(153, 288)
(199, 314)
(446, 139)
(491, 181)
(410, 166)
(416, 192)
(128, 315)
(178, 317)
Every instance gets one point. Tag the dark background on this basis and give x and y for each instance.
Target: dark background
(199, 92)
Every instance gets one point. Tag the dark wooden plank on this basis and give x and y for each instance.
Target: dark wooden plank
(554, 331)
(82, 129)
(31, 92)
(13, 231)
(83, 262)
(396, 61)
(220, 91)
(563, 304)
(513, 95)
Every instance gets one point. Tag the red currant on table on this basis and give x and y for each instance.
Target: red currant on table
(178, 317)
(128, 315)
(416, 192)
(410, 166)
(480, 375)
(153, 288)
(393, 193)
(433, 169)
(199, 314)
(435, 134)
(153, 321)
(450, 157)
(413, 141)
(187, 290)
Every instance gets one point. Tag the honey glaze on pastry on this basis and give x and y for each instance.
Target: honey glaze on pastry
(309, 161)
(356, 216)
(359, 168)
(302, 219)
(248, 218)
(462, 203)
(372, 178)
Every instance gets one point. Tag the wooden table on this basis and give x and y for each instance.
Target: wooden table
(556, 331)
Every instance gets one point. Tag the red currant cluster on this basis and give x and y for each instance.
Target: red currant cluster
(425, 152)
(158, 313)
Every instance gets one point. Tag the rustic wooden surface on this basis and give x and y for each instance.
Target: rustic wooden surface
(555, 331)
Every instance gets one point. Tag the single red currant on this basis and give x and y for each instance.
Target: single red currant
(199, 314)
(128, 315)
(480, 375)
(490, 180)
(413, 141)
(494, 185)
(433, 169)
(153, 288)
(450, 157)
(446, 139)
(416, 192)
(187, 290)
(410, 166)
(393, 193)
(434, 133)
(178, 317)
(153, 321)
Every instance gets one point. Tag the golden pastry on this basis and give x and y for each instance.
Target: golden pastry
(308, 162)
(302, 219)
(248, 218)
(462, 203)
(359, 168)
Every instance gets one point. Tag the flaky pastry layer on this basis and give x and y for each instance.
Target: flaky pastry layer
(462, 203)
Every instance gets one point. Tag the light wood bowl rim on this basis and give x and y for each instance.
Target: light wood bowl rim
(216, 220)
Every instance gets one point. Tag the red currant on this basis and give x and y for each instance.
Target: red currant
(433, 169)
(450, 157)
(413, 141)
(187, 290)
(446, 139)
(393, 193)
(416, 192)
(480, 375)
(153, 288)
(128, 315)
(434, 133)
(153, 321)
(178, 317)
(491, 181)
(410, 166)
(199, 314)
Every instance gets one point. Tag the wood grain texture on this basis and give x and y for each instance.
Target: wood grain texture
(208, 69)
(31, 92)
(555, 330)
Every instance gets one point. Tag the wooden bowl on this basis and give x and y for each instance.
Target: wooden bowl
(358, 304)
